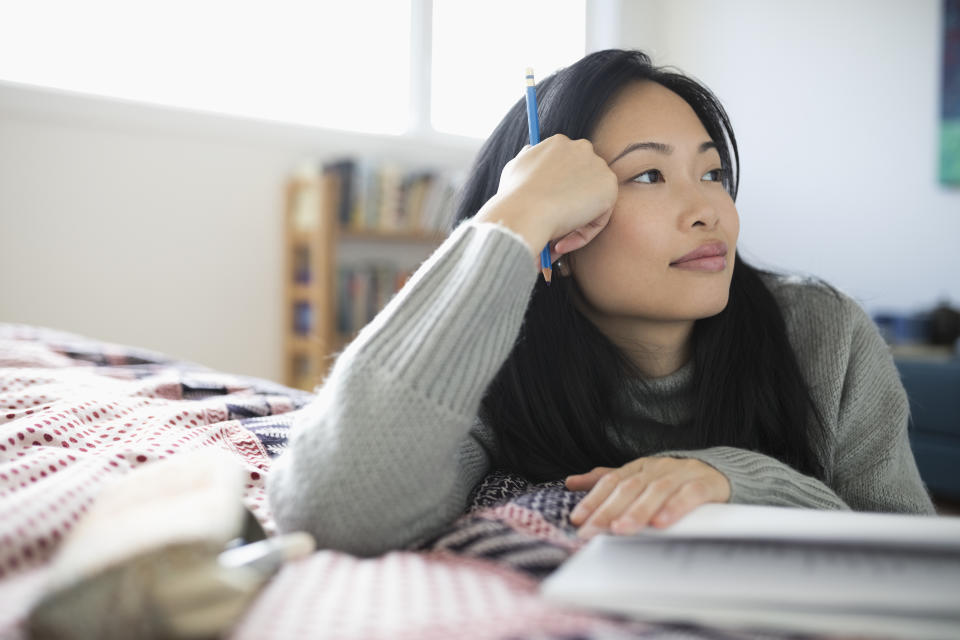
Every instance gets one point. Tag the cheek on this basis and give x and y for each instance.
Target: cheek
(625, 245)
(730, 219)
(633, 235)
(624, 259)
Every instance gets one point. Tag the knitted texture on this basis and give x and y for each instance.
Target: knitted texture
(478, 578)
(78, 414)
(389, 451)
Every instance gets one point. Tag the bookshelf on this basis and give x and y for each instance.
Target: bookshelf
(355, 230)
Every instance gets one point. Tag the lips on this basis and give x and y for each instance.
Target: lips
(707, 250)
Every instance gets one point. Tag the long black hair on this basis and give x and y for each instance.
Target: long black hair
(550, 407)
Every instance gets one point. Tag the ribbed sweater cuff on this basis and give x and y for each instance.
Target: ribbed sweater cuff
(450, 328)
(756, 478)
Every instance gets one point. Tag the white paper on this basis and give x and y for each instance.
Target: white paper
(777, 568)
(755, 522)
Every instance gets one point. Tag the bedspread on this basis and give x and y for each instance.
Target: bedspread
(77, 412)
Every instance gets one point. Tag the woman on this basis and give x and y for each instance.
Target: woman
(657, 372)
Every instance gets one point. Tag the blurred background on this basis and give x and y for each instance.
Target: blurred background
(145, 147)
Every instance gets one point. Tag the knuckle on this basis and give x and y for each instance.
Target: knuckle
(640, 512)
(634, 483)
(695, 488)
(601, 520)
(608, 481)
(611, 177)
(660, 485)
(602, 513)
(678, 504)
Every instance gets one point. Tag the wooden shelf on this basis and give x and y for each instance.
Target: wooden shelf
(314, 238)
(300, 344)
(411, 237)
(300, 292)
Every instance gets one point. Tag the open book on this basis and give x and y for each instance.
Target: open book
(777, 569)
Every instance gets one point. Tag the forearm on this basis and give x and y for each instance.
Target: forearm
(756, 478)
(508, 213)
(372, 463)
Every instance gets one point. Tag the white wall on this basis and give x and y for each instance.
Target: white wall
(157, 227)
(835, 105)
(161, 228)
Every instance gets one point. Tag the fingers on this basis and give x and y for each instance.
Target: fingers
(601, 482)
(688, 496)
(645, 492)
(631, 505)
(581, 237)
(597, 497)
(572, 241)
(554, 254)
(586, 481)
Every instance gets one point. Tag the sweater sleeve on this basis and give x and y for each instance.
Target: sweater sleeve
(387, 452)
(873, 466)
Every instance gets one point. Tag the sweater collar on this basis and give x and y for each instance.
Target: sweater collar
(668, 399)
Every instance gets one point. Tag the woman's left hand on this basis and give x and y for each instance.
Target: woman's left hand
(657, 491)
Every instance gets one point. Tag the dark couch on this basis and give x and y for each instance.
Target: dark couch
(933, 386)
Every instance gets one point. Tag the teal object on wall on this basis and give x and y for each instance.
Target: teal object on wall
(950, 104)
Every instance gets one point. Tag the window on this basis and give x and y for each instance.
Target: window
(480, 57)
(339, 65)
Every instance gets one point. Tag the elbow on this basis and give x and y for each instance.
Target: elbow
(339, 520)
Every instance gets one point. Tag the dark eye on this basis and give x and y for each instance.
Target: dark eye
(717, 173)
(652, 172)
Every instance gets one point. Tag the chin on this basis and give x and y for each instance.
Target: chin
(705, 308)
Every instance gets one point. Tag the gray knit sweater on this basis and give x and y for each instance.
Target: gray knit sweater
(390, 449)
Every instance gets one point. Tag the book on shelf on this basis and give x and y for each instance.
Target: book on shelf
(362, 291)
(380, 201)
(305, 205)
(302, 318)
(776, 569)
(301, 265)
(385, 197)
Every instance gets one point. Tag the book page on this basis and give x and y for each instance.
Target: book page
(765, 584)
(756, 522)
(771, 573)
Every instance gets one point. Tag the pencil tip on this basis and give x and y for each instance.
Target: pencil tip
(547, 272)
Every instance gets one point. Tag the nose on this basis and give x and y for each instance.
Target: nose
(697, 209)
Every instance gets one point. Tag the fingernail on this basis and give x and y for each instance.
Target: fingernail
(579, 512)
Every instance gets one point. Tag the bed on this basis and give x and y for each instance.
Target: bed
(76, 413)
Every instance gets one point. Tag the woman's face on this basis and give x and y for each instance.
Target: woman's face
(671, 202)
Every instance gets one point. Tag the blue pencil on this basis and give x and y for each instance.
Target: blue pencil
(533, 124)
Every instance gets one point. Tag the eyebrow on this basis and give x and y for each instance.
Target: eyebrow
(659, 147)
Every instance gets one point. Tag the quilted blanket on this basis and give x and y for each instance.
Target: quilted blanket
(76, 413)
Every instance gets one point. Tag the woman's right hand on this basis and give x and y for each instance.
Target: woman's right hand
(558, 191)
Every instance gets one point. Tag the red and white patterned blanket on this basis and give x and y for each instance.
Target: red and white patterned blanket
(76, 413)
